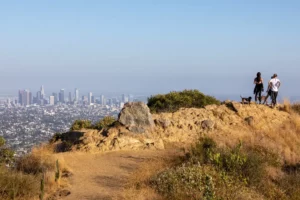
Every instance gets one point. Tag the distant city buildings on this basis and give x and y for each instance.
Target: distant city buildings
(90, 98)
(70, 97)
(61, 96)
(51, 100)
(76, 94)
(25, 98)
(102, 100)
(55, 97)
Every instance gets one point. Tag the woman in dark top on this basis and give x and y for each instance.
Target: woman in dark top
(259, 87)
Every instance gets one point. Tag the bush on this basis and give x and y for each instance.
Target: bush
(296, 107)
(173, 101)
(105, 123)
(80, 124)
(15, 185)
(184, 182)
(210, 172)
(6, 154)
(290, 184)
(32, 164)
(245, 164)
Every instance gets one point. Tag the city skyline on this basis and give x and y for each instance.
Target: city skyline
(25, 98)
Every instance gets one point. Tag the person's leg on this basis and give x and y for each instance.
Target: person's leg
(272, 98)
(275, 97)
(256, 93)
(259, 96)
(266, 99)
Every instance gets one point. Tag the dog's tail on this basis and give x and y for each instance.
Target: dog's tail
(241, 96)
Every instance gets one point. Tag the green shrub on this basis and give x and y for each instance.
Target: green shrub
(202, 151)
(6, 154)
(173, 101)
(184, 182)
(245, 164)
(105, 123)
(81, 124)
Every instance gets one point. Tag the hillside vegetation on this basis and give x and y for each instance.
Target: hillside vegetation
(223, 151)
(34, 176)
(257, 160)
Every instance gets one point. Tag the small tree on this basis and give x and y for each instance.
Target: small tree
(80, 124)
(6, 154)
(105, 122)
(173, 101)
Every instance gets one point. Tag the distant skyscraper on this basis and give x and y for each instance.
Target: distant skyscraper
(70, 97)
(76, 93)
(20, 97)
(25, 97)
(42, 92)
(51, 100)
(90, 98)
(62, 96)
(38, 95)
(125, 98)
(102, 100)
(55, 97)
(85, 99)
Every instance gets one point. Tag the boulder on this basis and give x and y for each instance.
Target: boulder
(136, 117)
(164, 123)
(250, 120)
(207, 124)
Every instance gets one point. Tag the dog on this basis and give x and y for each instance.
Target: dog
(264, 100)
(246, 100)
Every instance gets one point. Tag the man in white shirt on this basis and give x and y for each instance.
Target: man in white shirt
(274, 85)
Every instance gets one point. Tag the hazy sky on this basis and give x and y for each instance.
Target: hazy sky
(148, 46)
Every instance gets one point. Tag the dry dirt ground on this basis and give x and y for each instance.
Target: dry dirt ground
(103, 176)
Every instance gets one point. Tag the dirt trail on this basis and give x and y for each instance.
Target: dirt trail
(102, 176)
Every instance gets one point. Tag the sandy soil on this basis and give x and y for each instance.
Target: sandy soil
(103, 176)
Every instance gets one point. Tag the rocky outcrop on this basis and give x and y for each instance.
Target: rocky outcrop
(136, 117)
(183, 127)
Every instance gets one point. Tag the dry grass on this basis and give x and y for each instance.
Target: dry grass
(138, 186)
(282, 139)
(24, 182)
(296, 108)
(16, 185)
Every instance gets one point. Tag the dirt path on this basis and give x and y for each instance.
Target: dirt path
(102, 176)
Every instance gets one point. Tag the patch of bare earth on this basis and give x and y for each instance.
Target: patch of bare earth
(105, 176)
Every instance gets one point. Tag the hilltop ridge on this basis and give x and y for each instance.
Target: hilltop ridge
(227, 124)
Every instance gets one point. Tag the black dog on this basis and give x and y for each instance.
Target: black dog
(246, 100)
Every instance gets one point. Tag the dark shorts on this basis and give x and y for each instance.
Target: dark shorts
(269, 92)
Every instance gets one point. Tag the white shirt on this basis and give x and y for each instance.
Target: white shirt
(275, 84)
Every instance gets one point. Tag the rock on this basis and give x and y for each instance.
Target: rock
(64, 193)
(250, 120)
(207, 124)
(136, 117)
(164, 123)
(233, 106)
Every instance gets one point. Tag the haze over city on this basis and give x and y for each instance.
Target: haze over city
(148, 47)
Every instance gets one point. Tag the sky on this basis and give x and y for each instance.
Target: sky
(149, 46)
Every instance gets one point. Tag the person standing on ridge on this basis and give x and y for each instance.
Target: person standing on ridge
(274, 85)
(259, 87)
(268, 92)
